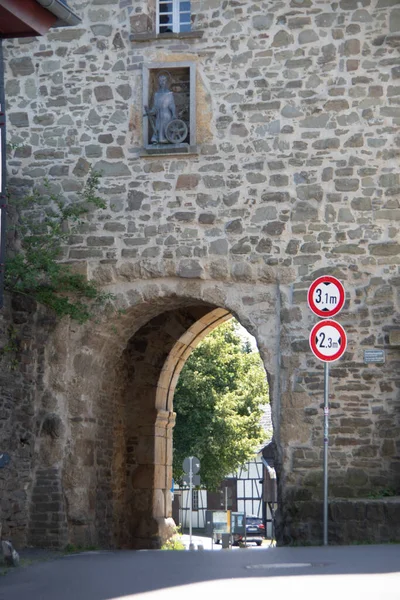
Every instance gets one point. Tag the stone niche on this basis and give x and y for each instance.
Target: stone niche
(163, 131)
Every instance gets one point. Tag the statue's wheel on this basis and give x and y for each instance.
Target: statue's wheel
(176, 131)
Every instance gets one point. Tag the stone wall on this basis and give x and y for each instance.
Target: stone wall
(295, 174)
(365, 521)
(24, 409)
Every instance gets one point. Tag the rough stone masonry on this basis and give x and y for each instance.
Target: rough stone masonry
(294, 174)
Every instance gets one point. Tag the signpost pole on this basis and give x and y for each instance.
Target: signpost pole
(326, 297)
(326, 441)
(191, 466)
(190, 500)
(245, 531)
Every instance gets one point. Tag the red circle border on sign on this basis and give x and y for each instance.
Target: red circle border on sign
(342, 296)
(313, 347)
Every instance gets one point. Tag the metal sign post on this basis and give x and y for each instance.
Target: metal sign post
(191, 466)
(328, 341)
(190, 499)
(326, 442)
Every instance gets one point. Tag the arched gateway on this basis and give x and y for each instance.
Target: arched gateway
(114, 457)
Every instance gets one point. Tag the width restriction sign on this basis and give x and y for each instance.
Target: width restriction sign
(328, 340)
(326, 296)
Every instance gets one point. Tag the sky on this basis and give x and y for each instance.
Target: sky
(245, 335)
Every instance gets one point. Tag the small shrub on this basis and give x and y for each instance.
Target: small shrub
(383, 493)
(175, 542)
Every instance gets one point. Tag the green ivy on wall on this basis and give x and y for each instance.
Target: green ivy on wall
(45, 221)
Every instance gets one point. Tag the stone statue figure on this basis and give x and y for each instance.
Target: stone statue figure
(163, 109)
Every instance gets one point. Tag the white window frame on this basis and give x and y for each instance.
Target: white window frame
(176, 15)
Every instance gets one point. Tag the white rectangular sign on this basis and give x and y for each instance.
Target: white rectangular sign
(374, 356)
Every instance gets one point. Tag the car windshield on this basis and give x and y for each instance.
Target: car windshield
(253, 521)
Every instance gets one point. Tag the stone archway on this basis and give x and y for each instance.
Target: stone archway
(117, 395)
(149, 368)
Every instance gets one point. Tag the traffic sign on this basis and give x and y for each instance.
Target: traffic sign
(328, 340)
(195, 465)
(195, 480)
(326, 296)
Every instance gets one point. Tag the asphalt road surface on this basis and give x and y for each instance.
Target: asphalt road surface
(323, 573)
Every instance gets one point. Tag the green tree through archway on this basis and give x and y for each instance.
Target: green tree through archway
(218, 403)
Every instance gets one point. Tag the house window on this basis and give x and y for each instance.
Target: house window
(173, 16)
(195, 499)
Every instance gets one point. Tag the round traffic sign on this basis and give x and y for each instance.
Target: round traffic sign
(195, 465)
(326, 296)
(328, 340)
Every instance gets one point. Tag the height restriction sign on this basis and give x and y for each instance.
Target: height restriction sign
(326, 296)
(328, 340)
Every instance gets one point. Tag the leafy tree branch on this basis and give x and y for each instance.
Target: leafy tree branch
(218, 401)
(44, 223)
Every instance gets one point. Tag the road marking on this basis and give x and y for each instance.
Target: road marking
(283, 566)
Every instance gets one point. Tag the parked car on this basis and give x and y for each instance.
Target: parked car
(255, 531)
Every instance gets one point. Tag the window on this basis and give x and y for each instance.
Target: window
(195, 499)
(173, 16)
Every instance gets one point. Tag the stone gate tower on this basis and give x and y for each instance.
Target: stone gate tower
(246, 147)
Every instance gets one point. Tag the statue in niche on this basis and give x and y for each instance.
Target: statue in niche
(167, 128)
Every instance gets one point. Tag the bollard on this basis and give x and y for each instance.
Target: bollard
(226, 540)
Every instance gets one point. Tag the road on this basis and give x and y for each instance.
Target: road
(323, 573)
